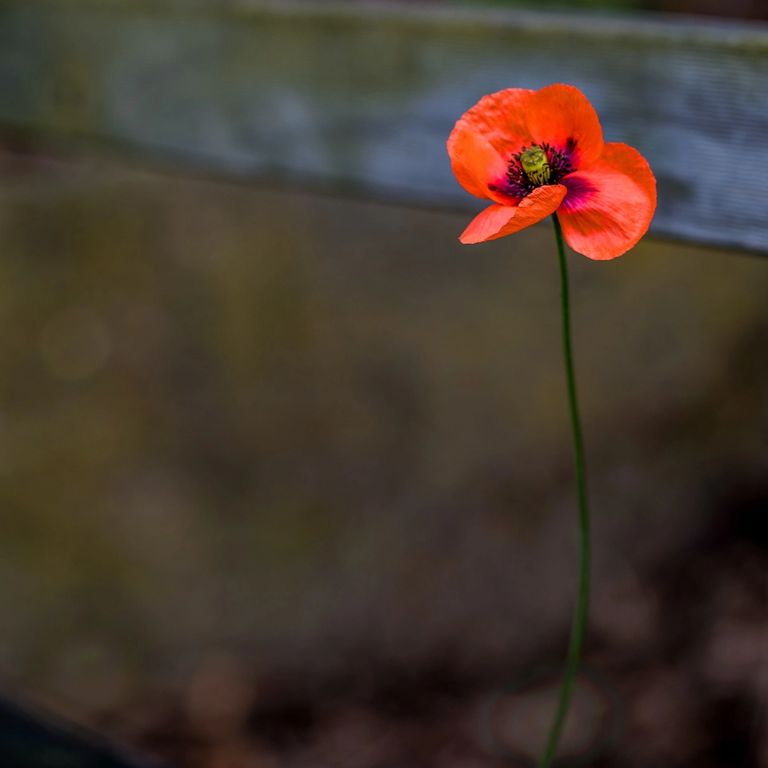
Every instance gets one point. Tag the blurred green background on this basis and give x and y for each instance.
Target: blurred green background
(285, 478)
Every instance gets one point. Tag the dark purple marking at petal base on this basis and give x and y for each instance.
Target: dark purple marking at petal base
(579, 192)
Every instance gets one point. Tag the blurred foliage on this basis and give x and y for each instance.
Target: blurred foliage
(275, 466)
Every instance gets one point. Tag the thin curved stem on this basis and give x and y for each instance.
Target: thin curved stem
(579, 626)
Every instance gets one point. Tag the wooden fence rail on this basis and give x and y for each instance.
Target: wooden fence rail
(360, 97)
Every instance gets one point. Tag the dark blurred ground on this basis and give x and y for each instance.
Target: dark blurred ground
(286, 480)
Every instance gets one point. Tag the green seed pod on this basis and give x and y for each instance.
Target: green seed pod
(535, 164)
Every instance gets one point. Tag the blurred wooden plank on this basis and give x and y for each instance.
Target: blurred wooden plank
(361, 97)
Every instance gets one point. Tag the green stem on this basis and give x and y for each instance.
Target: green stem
(579, 625)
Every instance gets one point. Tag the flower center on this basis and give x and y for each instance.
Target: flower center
(535, 164)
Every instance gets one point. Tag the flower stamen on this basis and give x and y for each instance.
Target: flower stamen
(537, 165)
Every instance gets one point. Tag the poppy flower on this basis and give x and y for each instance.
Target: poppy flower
(534, 153)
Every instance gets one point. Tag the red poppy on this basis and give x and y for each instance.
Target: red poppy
(534, 153)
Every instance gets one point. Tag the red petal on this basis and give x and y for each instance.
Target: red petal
(475, 162)
(610, 205)
(559, 113)
(501, 119)
(500, 220)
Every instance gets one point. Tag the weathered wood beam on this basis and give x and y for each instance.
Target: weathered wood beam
(361, 96)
